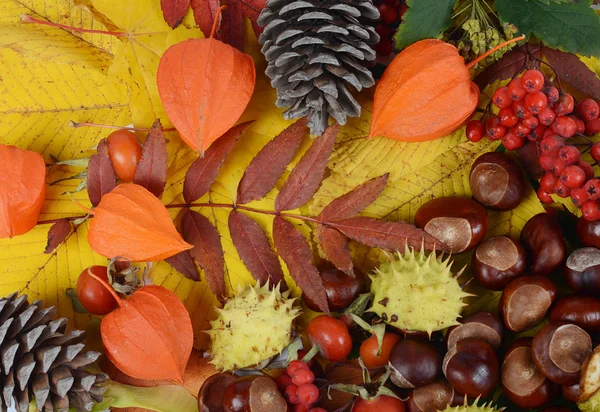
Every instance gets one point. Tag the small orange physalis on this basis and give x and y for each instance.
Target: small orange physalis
(22, 190)
(425, 93)
(205, 86)
(131, 222)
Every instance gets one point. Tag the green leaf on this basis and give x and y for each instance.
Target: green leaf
(556, 1)
(424, 19)
(159, 398)
(573, 27)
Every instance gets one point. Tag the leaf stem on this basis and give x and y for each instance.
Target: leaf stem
(108, 126)
(495, 49)
(28, 19)
(52, 221)
(216, 21)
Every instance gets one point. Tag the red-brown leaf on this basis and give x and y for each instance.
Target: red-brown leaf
(151, 172)
(174, 11)
(207, 250)
(355, 200)
(232, 26)
(204, 170)
(295, 252)
(101, 175)
(268, 165)
(335, 247)
(204, 14)
(308, 173)
(57, 234)
(386, 235)
(184, 264)
(252, 9)
(573, 71)
(505, 68)
(255, 249)
(529, 155)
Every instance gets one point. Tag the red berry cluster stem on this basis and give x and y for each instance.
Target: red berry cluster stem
(391, 15)
(531, 109)
(297, 385)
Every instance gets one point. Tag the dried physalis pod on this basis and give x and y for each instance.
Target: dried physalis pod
(582, 270)
(525, 301)
(481, 325)
(497, 261)
(543, 240)
(414, 363)
(458, 222)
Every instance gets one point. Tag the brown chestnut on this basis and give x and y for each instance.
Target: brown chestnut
(589, 232)
(497, 261)
(559, 351)
(212, 392)
(582, 270)
(481, 325)
(583, 311)
(543, 241)
(522, 382)
(525, 301)
(571, 392)
(414, 363)
(472, 368)
(433, 397)
(496, 181)
(253, 394)
(341, 288)
(458, 222)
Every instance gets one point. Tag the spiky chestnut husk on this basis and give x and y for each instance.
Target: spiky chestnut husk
(486, 407)
(252, 327)
(415, 292)
(591, 405)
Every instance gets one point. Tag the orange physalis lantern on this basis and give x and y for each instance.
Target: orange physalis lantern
(22, 190)
(425, 93)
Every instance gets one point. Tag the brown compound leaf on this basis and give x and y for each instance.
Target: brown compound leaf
(184, 264)
(57, 234)
(268, 165)
(335, 247)
(151, 171)
(255, 249)
(207, 250)
(573, 71)
(101, 177)
(508, 66)
(205, 12)
(174, 11)
(295, 252)
(308, 173)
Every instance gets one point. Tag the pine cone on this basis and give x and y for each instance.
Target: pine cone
(315, 50)
(41, 362)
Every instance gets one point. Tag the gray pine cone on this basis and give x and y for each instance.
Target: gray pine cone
(315, 50)
(40, 361)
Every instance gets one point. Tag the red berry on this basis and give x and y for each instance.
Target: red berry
(551, 144)
(291, 394)
(516, 91)
(548, 132)
(587, 168)
(388, 13)
(475, 130)
(547, 182)
(569, 154)
(590, 210)
(317, 410)
(501, 98)
(546, 116)
(547, 162)
(538, 132)
(552, 93)
(561, 189)
(331, 336)
(564, 126)
(530, 122)
(532, 81)
(595, 151)
(535, 102)
(592, 127)
(573, 176)
(385, 47)
(521, 130)
(588, 109)
(295, 366)
(494, 129)
(513, 142)
(580, 124)
(559, 166)
(592, 188)
(565, 105)
(303, 376)
(520, 110)
(283, 381)
(544, 196)
(507, 117)
(579, 196)
(308, 393)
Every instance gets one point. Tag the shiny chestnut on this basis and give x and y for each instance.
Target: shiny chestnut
(414, 363)
(544, 243)
(582, 270)
(583, 311)
(522, 382)
(559, 351)
(481, 325)
(458, 222)
(525, 301)
(589, 232)
(433, 397)
(212, 392)
(253, 394)
(471, 367)
(496, 181)
(497, 261)
(341, 288)
(572, 392)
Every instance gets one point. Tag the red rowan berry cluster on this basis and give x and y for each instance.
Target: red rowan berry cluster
(298, 387)
(531, 110)
(391, 15)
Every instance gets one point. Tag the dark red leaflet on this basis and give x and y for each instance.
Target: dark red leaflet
(387, 235)
(57, 234)
(184, 264)
(101, 175)
(204, 14)
(255, 249)
(335, 247)
(308, 173)
(268, 165)
(197, 230)
(174, 11)
(507, 67)
(573, 71)
(203, 172)
(350, 204)
(151, 171)
(295, 252)
(232, 25)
